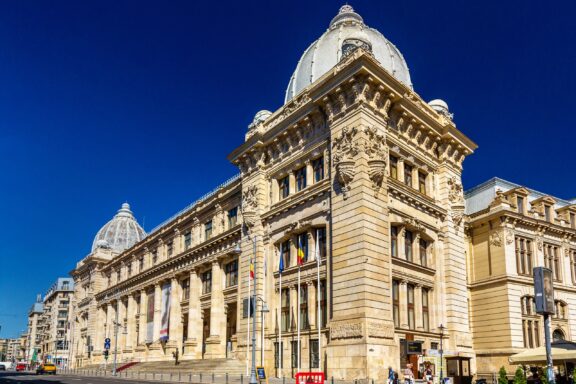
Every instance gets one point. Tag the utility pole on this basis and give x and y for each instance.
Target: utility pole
(116, 334)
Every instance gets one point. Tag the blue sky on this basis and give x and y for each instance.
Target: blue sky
(103, 102)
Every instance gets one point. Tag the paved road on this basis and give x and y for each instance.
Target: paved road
(23, 378)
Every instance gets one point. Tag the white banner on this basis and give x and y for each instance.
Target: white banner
(150, 318)
(165, 314)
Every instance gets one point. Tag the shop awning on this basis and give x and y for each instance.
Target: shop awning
(561, 350)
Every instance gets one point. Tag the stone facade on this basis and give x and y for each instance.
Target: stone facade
(512, 229)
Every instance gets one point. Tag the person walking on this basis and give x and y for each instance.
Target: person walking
(408, 374)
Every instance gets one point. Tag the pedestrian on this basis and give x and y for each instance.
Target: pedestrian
(428, 374)
(408, 374)
(390, 375)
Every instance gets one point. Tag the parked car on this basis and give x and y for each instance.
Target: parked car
(20, 367)
(46, 369)
(2, 367)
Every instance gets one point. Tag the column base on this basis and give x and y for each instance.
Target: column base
(215, 348)
(191, 349)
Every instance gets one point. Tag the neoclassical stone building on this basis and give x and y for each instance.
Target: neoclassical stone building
(360, 179)
(512, 229)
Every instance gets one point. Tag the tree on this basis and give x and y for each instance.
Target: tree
(519, 377)
(502, 378)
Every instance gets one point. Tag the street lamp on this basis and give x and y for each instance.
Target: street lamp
(263, 310)
(441, 328)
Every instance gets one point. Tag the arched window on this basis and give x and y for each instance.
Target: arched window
(558, 335)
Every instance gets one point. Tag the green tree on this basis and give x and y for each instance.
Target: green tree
(502, 378)
(519, 377)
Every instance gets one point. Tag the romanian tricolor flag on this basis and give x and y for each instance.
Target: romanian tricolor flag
(251, 269)
(300, 256)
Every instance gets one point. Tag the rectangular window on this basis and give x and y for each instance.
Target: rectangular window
(410, 302)
(286, 253)
(185, 289)
(231, 270)
(573, 220)
(208, 230)
(318, 168)
(547, 212)
(394, 167)
(394, 241)
(536, 334)
(408, 245)
(423, 252)
(407, 175)
(284, 186)
(141, 264)
(187, 239)
(314, 354)
(302, 243)
(245, 308)
(294, 347)
(118, 275)
(154, 256)
(323, 305)
(170, 248)
(396, 302)
(520, 204)
(422, 182)
(300, 175)
(206, 278)
(129, 269)
(232, 217)
(425, 310)
(285, 310)
(278, 354)
(523, 256)
(304, 323)
(321, 234)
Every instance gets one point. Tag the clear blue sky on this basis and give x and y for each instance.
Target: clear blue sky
(103, 102)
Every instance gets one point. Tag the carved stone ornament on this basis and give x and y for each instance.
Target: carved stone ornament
(496, 239)
(377, 153)
(380, 330)
(249, 201)
(457, 217)
(509, 236)
(345, 150)
(539, 243)
(455, 194)
(350, 330)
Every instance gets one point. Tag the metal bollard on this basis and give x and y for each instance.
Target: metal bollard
(200, 377)
(170, 376)
(332, 379)
(241, 378)
(212, 377)
(179, 377)
(283, 380)
(190, 378)
(154, 376)
(226, 377)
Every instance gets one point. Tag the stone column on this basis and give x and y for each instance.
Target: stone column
(418, 318)
(121, 307)
(275, 191)
(400, 170)
(292, 182)
(132, 340)
(216, 342)
(403, 304)
(309, 173)
(312, 304)
(101, 321)
(193, 345)
(142, 317)
(155, 346)
(416, 247)
(312, 244)
(177, 246)
(294, 307)
(175, 323)
(402, 242)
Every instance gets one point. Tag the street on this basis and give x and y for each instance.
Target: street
(19, 377)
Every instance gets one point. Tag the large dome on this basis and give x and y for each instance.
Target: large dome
(346, 32)
(120, 233)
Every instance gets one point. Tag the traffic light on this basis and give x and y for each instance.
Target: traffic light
(106, 354)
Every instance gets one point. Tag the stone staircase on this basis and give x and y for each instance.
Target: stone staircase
(203, 366)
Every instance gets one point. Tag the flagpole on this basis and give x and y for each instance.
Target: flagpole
(298, 322)
(248, 333)
(318, 323)
(280, 349)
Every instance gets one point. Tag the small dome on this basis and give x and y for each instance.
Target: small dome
(440, 106)
(261, 116)
(346, 32)
(120, 233)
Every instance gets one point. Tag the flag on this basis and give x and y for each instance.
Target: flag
(300, 257)
(251, 269)
(281, 265)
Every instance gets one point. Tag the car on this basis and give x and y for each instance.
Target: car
(20, 367)
(2, 367)
(46, 369)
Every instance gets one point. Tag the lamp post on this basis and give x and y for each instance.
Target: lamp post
(263, 310)
(441, 328)
(253, 370)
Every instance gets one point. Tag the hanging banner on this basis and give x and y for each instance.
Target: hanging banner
(165, 314)
(150, 318)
